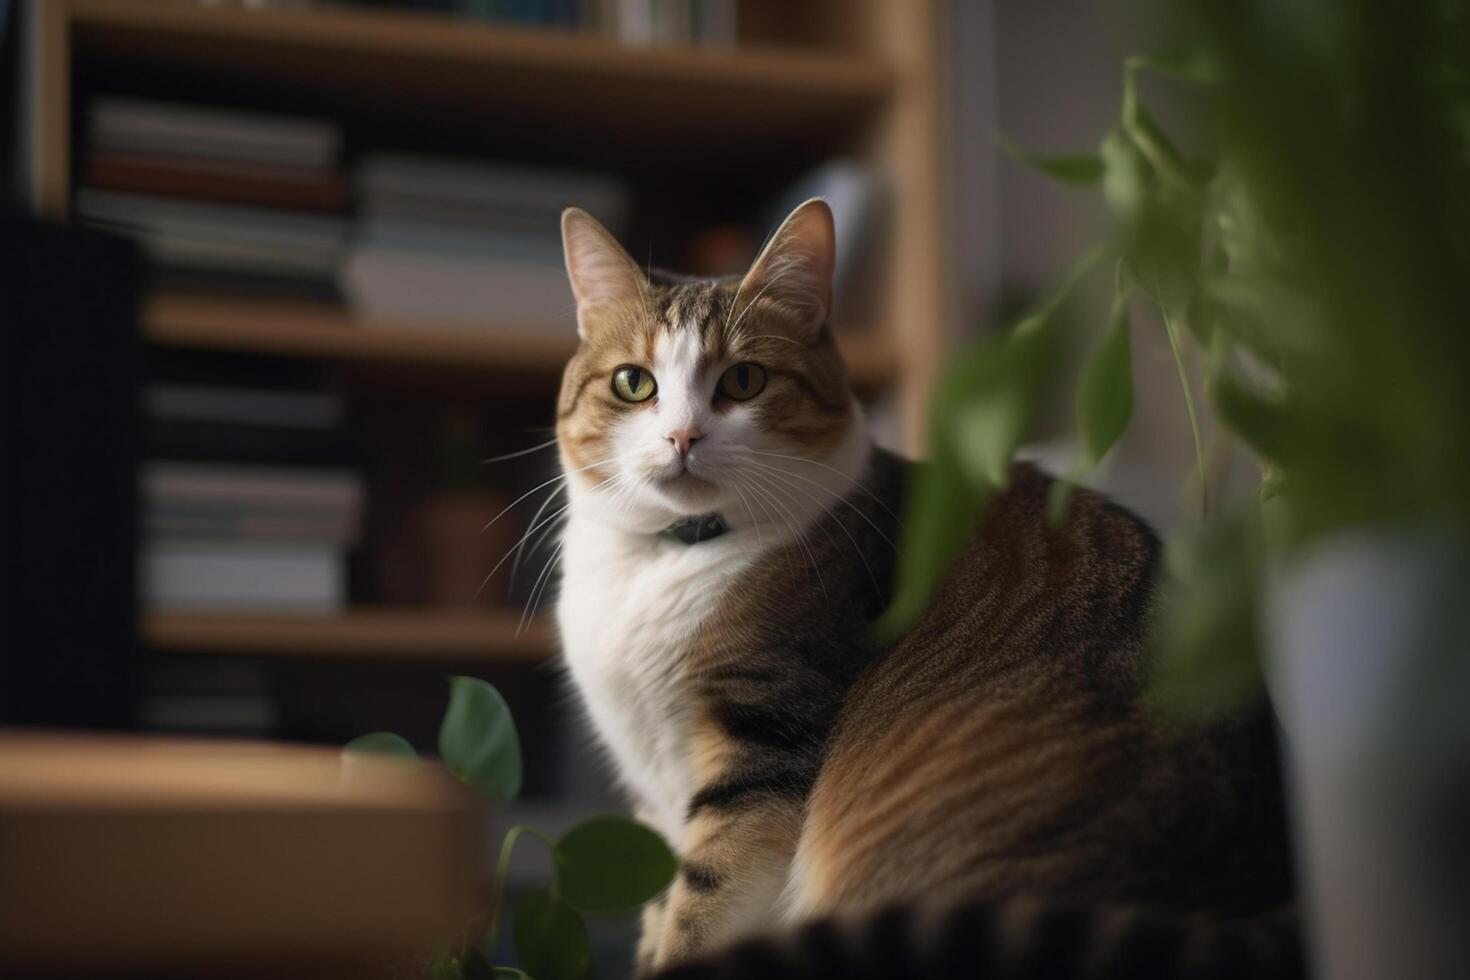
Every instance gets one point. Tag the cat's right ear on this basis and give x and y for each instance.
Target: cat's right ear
(602, 274)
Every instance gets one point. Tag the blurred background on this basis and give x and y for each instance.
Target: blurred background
(279, 277)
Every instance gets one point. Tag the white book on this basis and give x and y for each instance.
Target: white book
(167, 129)
(715, 22)
(207, 255)
(240, 576)
(262, 488)
(224, 523)
(217, 222)
(636, 22)
(472, 186)
(443, 289)
(539, 245)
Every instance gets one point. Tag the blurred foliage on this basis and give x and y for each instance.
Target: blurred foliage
(1315, 261)
(603, 864)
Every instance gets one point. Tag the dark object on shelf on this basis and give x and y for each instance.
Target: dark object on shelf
(69, 373)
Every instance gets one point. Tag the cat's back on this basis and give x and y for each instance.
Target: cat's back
(1000, 747)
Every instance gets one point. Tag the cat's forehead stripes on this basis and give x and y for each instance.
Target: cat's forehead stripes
(701, 306)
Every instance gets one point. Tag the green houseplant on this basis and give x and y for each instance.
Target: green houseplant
(1314, 261)
(603, 864)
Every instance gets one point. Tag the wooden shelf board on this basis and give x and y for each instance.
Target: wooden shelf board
(359, 633)
(585, 80)
(302, 330)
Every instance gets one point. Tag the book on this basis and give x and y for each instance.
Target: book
(218, 488)
(242, 576)
(447, 289)
(221, 524)
(242, 406)
(217, 181)
(137, 126)
(455, 191)
(224, 237)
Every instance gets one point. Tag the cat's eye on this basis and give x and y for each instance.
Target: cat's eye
(743, 381)
(633, 384)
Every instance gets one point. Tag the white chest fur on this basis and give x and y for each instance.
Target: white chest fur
(629, 610)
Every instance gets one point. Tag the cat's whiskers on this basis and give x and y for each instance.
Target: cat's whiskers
(789, 519)
(759, 537)
(537, 524)
(551, 529)
(520, 452)
(785, 488)
(852, 481)
(515, 565)
(542, 486)
(766, 510)
(781, 475)
(543, 581)
(841, 500)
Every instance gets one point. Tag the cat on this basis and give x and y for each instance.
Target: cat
(731, 539)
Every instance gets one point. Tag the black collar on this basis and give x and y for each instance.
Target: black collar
(693, 530)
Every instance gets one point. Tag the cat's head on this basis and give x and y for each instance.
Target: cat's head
(695, 396)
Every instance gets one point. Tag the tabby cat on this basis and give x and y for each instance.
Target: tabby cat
(731, 540)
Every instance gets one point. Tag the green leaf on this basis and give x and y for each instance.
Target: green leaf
(445, 965)
(475, 966)
(1125, 179)
(611, 864)
(1273, 483)
(940, 516)
(1195, 67)
(551, 938)
(1058, 499)
(478, 741)
(1205, 662)
(981, 413)
(1263, 423)
(1105, 395)
(1234, 306)
(1148, 135)
(380, 743)
(1080, 169)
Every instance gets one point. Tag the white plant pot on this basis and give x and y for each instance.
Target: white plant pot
(1368, 641)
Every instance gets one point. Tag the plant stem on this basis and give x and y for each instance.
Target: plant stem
(498, 899)
(1199, 452)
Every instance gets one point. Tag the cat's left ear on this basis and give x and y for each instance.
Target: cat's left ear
(794, 270)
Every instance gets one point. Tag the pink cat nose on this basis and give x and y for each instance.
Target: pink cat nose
(684, 438)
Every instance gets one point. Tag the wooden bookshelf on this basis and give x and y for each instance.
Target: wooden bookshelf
(303, 330)
(385, 49)
(401, 634)
(858, 78)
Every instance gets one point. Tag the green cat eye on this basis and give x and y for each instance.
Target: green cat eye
(633, 384)
(743, 381)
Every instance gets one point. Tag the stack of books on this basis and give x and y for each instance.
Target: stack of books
(219, 198)
(670, 21)
(630, 21)
(250, 500)
(451, 242)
